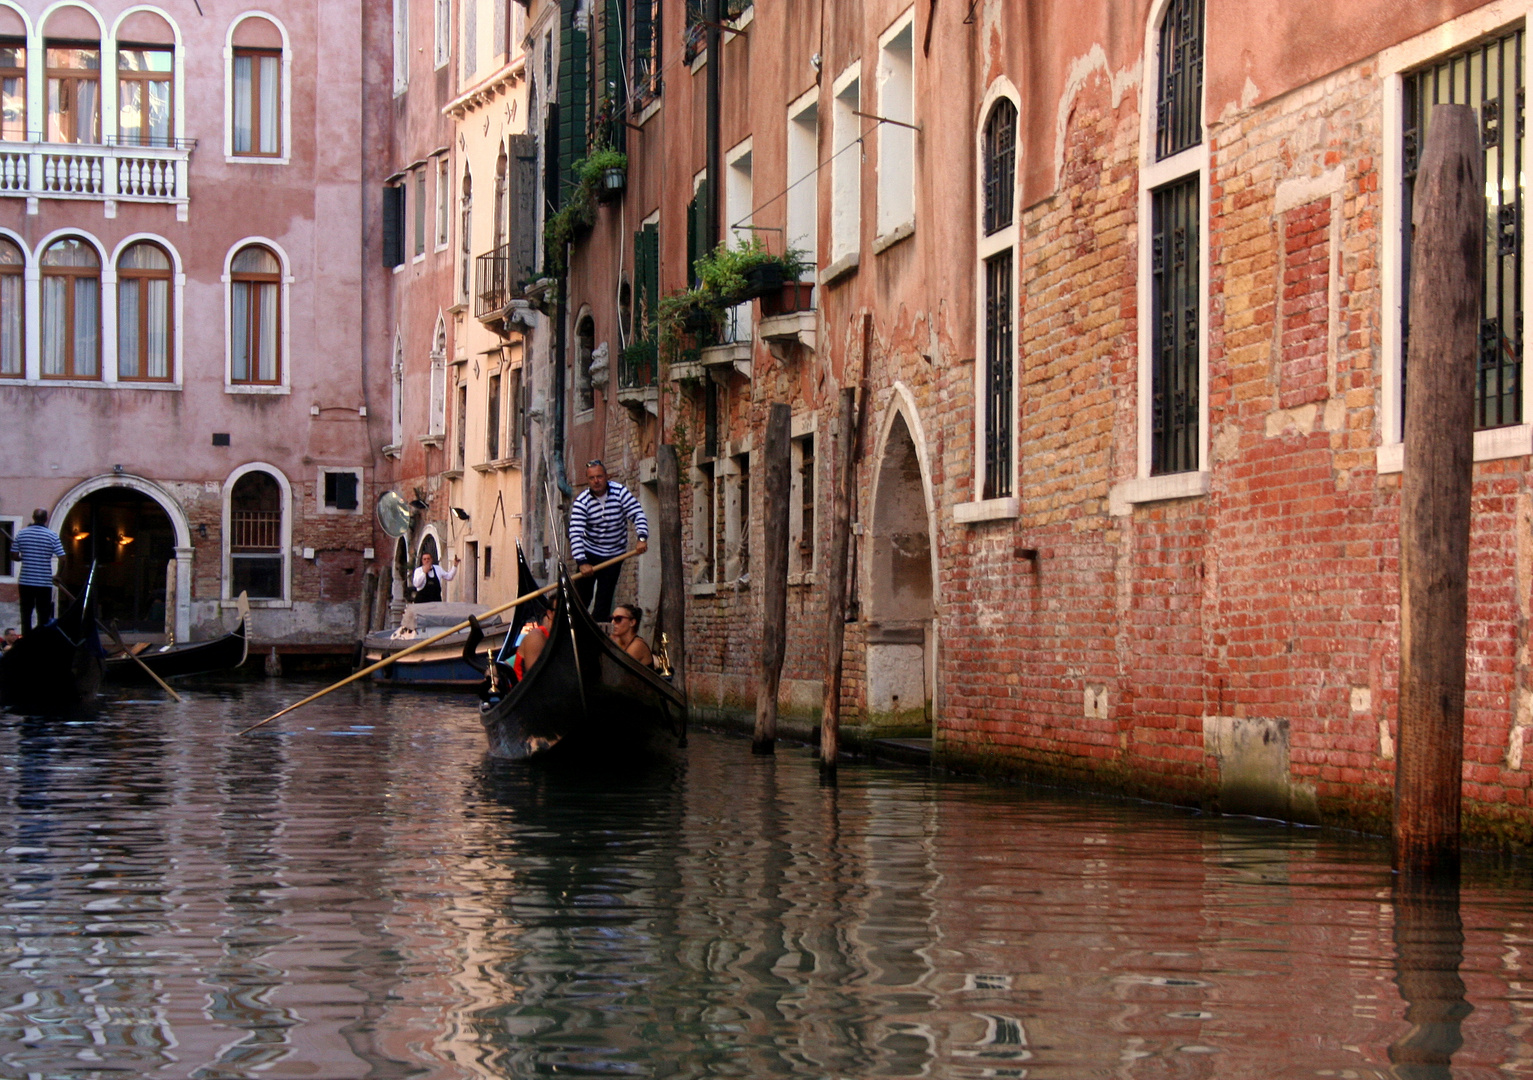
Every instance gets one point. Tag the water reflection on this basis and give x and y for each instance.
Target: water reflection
(362, 895)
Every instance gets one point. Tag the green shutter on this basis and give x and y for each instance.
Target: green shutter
(614, 92)
(697, 231)
(574, 93)
(646, 259)
(643, 44)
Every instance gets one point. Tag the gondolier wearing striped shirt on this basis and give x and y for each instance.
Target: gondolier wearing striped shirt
(599, 531)
(36, 546)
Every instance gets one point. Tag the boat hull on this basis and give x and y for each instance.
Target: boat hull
(48, 672)
(179, 661)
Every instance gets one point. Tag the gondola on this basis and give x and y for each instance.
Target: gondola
(223, 653)
(57, 668)
(584, 697)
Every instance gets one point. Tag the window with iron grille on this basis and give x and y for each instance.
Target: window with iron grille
(1176, 308)
(998, 376)
(1000, 152)
(1488, 76)
(1179, 90)
(645, 36)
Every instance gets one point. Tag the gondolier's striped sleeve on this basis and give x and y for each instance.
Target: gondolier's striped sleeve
(599, 530)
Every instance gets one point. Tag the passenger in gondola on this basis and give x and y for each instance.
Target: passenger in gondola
(12, 636)
(428, 578)
(529, 647)
(625, 631)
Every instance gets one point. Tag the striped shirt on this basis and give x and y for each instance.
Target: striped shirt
(37, 546)
(599, 527)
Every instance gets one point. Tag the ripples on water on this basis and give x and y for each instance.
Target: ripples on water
(358, 894)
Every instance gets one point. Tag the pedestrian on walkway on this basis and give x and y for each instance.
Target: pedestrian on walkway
(599, 531)
(36, 546)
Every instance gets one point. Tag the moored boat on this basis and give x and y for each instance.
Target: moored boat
(583, 696)
(57, 668)
(223, 653)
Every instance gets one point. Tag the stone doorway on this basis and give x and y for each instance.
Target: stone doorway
(133, 543)
(899, 591)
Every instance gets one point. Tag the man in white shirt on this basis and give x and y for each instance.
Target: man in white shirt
(428, 579)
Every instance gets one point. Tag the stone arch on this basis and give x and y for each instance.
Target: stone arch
(182, 620)
(901, 574)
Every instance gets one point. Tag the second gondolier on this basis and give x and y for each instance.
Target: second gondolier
(599, 531)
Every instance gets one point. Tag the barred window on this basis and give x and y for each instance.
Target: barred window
(1000, 152)
(1174, 275)
(1179, 90)
(1488, 76)
(998, 368)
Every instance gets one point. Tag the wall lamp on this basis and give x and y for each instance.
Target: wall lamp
(459, 513)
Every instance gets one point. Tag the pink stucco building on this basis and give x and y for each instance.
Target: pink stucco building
(194, 369)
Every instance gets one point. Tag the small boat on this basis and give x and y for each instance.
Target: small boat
(57, 668)
(584, 695)
(224, 653)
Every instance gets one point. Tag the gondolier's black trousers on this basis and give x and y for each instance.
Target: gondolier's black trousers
(605, 584)
(38, 598)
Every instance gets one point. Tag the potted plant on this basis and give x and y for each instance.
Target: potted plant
(606, 171)
(639, 364)
(792, 296)
(747, 270)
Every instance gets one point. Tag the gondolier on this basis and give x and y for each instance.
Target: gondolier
(599, 531)
(36, 546)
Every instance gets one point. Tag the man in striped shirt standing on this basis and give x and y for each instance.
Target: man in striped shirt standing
(36, 546)
(599, 531)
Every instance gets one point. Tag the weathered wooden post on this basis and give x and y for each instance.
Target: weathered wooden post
(1447, 260)
(844, 474)
(673, 605)
(774, 582)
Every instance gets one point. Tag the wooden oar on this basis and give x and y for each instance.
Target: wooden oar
(111, 630)
(433, 639)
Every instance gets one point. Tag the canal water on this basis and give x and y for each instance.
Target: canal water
(355, 892)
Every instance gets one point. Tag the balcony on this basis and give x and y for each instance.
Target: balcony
(499, 278)
(638, 378)
(98, 172)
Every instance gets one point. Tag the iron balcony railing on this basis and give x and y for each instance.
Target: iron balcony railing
(639, 368)
(497, 282)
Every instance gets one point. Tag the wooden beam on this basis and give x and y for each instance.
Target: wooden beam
(672, 620)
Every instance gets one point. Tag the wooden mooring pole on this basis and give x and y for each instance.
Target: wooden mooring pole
(774, 582)
(672, 621)
(844, 471)
(1447, 261)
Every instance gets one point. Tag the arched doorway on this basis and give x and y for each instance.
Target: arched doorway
(899, 589)
(132, 541)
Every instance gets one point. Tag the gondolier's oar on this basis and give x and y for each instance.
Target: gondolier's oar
(433, 639)
(111, 631)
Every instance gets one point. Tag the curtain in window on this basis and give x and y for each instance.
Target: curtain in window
(242, 104)
(55, 329)
(157, 339)
(11, 359)
(159, 113)
(271, 80)
(87, 327)
(241, 343)
(127, 328)
(266, 305)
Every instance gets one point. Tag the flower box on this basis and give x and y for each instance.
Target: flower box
(790, 296)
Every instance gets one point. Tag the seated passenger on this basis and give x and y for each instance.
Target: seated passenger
(625, 631)
(530, 646)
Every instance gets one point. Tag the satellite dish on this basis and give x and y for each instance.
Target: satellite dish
(394, 514)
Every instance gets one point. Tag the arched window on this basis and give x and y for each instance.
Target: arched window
(997, 297)
(255, 537)
(255, 82)
(12, 321)
(397, 393)
(500, 199)
(144, 313)
(255, 284)
(71, 288)
(585, 349)
(467, 231)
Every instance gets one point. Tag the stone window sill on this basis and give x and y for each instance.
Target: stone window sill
(1128, 494)
(903, 231)
(971, 513)
(453, 474)
(1491, 445)
(840, 268)
(704, 588)
(801, 579)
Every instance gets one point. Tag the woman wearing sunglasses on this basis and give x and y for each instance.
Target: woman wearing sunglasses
(625, 631)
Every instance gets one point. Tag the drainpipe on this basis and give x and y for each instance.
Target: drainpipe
(715, 152)
(560, 344)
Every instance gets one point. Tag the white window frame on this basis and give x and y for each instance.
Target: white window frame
(1153, 175)
(401, 46)
(803, 178)
(986, 248)
(177, 86)
(284, 156)
(226, 577)
(442, 46)
(322, 507)
(396, 397)
(11, 573)
(895, 214)
(802, 426)
(443, 224)
(1394, 64)
(436, 422)
(284, 338)
(177, 288)
(107, 300)
(845, 175)
(739, 202)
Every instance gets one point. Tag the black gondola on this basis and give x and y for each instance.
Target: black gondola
(195, 658)
(57, 668)
(584, 695)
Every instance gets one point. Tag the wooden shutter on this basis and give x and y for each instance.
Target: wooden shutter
(614, 90)
(574, 93)
(697, 231)
(646, 257)
(523, 198)
(393, 226)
